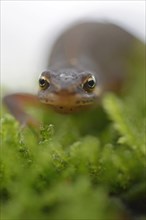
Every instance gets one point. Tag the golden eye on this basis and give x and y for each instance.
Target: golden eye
(43, 82)
(89, 84)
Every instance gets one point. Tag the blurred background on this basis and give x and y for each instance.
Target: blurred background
(28, 29)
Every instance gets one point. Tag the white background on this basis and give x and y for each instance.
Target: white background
(28, 29)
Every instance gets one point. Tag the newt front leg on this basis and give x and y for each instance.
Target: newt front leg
(16, 104)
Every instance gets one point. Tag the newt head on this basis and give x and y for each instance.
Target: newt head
(68, 90)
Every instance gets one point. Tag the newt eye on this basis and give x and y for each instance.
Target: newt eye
(44, 82)
(89, 84)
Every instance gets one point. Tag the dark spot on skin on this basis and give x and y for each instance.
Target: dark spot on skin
(47, 100)
(61, 107)
(87, 101)
(78, 102)
(71, 109)
(84, 101)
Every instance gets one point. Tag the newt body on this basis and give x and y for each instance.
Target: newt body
(87, 60)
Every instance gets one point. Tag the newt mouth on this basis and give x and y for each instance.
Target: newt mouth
(66, 103)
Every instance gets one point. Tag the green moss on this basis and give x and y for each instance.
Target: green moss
(90, 165)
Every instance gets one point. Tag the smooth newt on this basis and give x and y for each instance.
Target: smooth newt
(87, 60)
